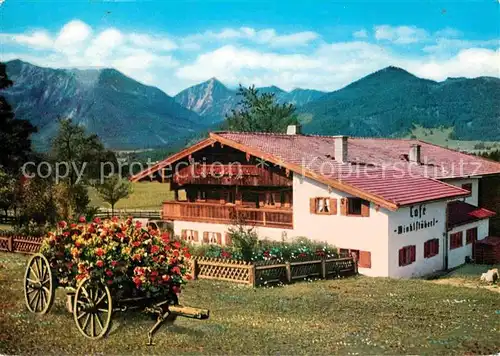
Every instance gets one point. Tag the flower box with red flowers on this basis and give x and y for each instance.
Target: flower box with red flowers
(131, 259)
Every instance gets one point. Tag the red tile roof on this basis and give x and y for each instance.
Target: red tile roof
(460, 213)
(377, 169)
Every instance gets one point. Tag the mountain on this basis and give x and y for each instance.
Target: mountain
(124, 113)
(213, 100)
(390, 101)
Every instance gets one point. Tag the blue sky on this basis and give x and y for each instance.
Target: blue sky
(315, 44)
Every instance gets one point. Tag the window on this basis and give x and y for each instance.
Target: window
(456, 240)
(364, 257)
(323, 206)
(407, 255)
(471, 236)
(354, 207)
(431, 248)
(212, 238)
(189, 235)
(467, 186)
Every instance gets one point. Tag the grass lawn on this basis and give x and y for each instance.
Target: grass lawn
(145, 195)
(440, 136)
(350, 316)
(5, 227)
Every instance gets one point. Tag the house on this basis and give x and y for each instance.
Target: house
(405, 207)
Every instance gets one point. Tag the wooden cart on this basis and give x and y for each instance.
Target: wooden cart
(93, 303)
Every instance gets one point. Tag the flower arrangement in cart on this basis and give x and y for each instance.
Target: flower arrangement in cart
(122, 254)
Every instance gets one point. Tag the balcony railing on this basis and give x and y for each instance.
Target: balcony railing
(224, 214)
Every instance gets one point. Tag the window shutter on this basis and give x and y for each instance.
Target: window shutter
(401, 256)
(205, 237)
(343, 206)
(195, 236)
(219, 238)
(312, 205)
(365, 208)
(413, 250)
(333, 206)
(184, 234)
(427, 245)
(228, 241)
(436, 246)
(365, 259)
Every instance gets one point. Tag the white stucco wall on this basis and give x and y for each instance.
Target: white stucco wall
(474, 198)
(358, 233)
(263, 232)
(456, 257)
(434, 212)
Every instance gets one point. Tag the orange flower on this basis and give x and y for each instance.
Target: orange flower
(99, 251)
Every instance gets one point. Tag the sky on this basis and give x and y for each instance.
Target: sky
(322, 45)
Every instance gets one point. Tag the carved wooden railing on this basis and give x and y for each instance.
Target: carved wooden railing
(224, 214)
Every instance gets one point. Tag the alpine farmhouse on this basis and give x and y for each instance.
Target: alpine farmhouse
(405, 207)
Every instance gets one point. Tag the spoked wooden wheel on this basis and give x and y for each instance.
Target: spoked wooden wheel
(92, 309)
(39, 286)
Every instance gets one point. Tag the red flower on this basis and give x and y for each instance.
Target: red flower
(99, 251)
(176, 253)
(114, 263)
(165, 277)
(78, 243)
(137, 257)
(176, 270)
(99, 263)
(155, 249)
(97, 220)
(176, 289)
(187, 255)
(136, 243)
(110, 281)
(114, 219)
(165, 237)
(177, 244)
(62, 224)
(82, 219)
(138, 224)
(137, 281)
(225, 254)
(73, 226)
(154, 273)
(109, 273)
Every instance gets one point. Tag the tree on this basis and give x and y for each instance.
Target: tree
(113, 189)
(260, 113)
(7, 191)
(82, 155)
(15, 134)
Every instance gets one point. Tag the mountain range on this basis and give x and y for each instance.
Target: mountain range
(129, 115)
(214, 100)
(124, 113)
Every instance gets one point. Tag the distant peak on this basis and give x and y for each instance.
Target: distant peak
(393, 69)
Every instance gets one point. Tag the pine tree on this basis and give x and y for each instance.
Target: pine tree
(15, 135)
(260, 113)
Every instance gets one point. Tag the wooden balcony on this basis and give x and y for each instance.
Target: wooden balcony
(223, 214)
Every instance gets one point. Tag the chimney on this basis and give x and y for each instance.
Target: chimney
(414, 155)
(293, 129)
(340, 148)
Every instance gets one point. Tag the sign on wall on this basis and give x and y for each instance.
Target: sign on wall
(420, 220)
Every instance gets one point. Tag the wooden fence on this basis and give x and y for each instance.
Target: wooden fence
(21, 244)
(135, 213)
(269, 272)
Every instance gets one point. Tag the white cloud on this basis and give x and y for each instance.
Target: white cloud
(72, 37)
(250, 56)
(267, 36)
(40, 39)
(361, 34)
(160, 43)
(400, 34)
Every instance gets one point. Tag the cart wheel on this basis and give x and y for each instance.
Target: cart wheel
(39, 286)
(92, 309)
